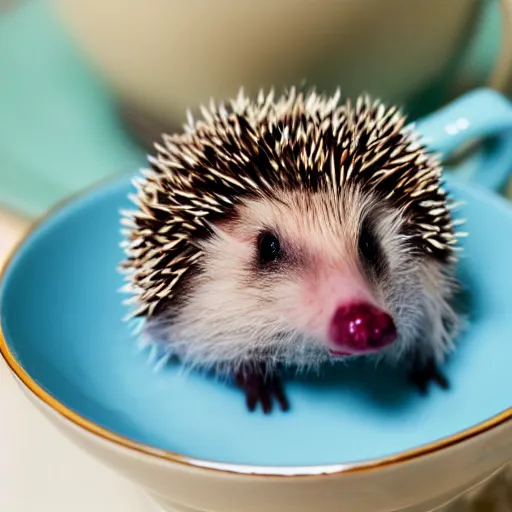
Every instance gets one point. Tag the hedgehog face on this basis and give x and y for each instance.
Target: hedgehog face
(292, 230)
(301, 278)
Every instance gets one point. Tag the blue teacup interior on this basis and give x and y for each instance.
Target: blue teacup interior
(62, 316)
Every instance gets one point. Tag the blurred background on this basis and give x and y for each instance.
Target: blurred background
(87, 85)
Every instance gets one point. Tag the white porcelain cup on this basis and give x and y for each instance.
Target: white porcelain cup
(164, 56)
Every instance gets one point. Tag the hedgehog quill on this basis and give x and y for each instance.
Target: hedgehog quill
(294, 230)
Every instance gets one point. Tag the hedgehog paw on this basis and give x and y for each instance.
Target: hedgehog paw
(261, 388)
(426, 371)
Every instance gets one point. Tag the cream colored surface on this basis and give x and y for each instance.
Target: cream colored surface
(11, 229)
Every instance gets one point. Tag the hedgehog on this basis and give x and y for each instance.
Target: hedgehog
(294, 230)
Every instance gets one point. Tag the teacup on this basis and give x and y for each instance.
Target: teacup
(167, 56)
(357, 438)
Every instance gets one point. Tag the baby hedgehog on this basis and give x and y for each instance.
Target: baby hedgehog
(293, 230)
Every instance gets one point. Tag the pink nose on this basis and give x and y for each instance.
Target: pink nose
(360, 328)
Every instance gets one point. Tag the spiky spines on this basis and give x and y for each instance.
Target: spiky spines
(245, 148)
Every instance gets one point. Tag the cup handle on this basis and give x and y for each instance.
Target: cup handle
(479, 114)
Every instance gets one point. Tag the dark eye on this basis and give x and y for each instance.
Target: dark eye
(369, 248)
(269, 247)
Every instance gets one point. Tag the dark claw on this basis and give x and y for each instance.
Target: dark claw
(423, 372)
(261, 388)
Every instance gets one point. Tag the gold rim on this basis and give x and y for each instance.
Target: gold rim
(239, 469)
